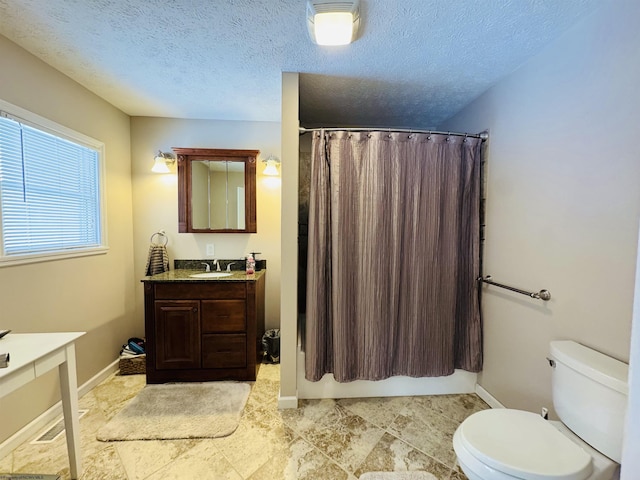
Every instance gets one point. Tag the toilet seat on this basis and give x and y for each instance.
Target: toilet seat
(521, 445)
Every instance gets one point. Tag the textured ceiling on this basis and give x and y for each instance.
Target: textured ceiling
(414, 64)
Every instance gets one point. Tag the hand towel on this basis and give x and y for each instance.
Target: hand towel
(158, 260)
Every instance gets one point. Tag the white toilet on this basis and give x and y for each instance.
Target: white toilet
(590, 397)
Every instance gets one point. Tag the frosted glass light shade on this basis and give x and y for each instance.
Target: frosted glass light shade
(333, 28)
(161, 162)
(271, 168)
(160, 166)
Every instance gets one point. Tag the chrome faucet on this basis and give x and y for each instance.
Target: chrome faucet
(207, 267)
(217, 265)
(229, 266)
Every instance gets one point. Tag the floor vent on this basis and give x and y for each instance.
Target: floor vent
(54, 431)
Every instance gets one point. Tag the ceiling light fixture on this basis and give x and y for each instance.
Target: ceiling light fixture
(333, 22)
(162, 162)
(272, 163)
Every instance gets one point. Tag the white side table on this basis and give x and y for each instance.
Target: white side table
(33, 354)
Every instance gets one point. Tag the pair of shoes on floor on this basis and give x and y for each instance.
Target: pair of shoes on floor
(127, 352)
(133, 348)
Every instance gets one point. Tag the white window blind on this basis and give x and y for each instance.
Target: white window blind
(49, 192)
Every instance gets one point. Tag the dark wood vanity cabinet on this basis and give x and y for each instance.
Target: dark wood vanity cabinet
(205, 330)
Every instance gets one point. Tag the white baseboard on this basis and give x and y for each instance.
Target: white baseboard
(488, 398)
(47, 417)
(287, 402)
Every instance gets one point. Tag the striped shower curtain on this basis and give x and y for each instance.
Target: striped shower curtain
(393, 256)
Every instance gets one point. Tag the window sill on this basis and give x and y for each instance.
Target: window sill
(50, 256)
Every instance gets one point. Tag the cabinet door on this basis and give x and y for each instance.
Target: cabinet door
(177, 331)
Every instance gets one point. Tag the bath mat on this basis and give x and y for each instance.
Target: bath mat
(397, 476)
(179, 410)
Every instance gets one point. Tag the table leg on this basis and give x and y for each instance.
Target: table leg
(69, 392)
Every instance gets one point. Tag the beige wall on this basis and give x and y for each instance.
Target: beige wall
(155, 198)
(563, 201)
(93, 294)
(289, 294)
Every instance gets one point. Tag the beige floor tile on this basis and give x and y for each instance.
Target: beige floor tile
(269, 372)
(143, 458)
(50, 458)
(265, 392)
(203, 461)
(116, 391)
(259, 437)
(432, 435)
(309, 414)
(393, 455)
(458, 476)
(104, 465)
(6, 463)
(273, 468)
(301, 462)
(454, 407)
(88, 401)
(344, 437)
(268, 421)
(53, 457)
(379, 411)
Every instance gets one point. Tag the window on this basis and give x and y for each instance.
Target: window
(50, 190)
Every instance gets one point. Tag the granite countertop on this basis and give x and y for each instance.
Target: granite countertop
(184, 276)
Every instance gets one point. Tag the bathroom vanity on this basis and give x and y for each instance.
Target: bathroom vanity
(203, 329)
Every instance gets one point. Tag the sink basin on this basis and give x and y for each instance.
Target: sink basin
(211, 275)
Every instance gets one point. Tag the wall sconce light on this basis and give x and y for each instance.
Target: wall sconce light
(162, 162)
(333, 22)
(271, 167)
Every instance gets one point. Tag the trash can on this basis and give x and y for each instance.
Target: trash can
(271, 345)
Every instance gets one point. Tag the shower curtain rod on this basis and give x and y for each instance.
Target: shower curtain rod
(482, 135)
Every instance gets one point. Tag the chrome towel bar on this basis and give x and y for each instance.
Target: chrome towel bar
(541, 295)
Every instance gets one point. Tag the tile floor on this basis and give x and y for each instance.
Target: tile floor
(323, 439)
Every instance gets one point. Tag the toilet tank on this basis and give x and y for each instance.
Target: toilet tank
(590, 395)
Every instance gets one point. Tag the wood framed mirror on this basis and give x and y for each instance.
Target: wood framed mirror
(216, 190)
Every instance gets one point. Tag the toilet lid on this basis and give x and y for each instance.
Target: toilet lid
(524, 445)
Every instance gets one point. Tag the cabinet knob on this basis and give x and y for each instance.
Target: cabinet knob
(195, 309)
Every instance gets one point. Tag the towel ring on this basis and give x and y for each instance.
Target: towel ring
(163, 235)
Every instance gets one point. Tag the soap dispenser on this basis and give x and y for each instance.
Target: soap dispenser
(251, 264)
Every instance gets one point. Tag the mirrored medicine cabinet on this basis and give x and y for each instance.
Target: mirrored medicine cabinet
(216, 190)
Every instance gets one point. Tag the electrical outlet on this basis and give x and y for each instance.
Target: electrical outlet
(210, 249)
